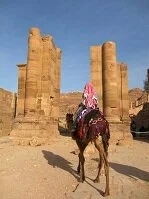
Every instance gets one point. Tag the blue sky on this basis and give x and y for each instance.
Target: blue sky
(75, 26)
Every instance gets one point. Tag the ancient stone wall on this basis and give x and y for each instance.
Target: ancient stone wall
(7, 111)
(38, 89)
(68, 104)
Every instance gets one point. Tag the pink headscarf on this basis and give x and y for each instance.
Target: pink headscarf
(90, 97)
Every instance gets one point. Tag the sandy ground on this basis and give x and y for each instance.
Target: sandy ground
(49, 172)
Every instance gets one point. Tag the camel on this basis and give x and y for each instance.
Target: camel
(95, 129)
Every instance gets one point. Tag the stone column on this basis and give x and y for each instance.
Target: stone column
(34, 65)
(124, 92)
(21, 90)
(53, 59)
(58, 74)
(45, 77)
(13, 104)
(119, 85)
(110, 87)
(57, 80)
(96, 72)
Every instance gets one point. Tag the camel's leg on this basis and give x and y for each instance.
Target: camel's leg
(106, 167)
(78, 168)
(97, 143)
(99, 168)
(99, 146)
(81, 161)
(81, 147)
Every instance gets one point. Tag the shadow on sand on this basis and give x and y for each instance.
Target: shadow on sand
(60, 162)
(130, 171)
(98, 190)
(127, 170)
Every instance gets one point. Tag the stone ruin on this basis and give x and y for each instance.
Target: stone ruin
(37, 109)
(7, 111)
(110, 80)
(37, 106)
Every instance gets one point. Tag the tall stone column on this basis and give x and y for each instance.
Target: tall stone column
(45, 77)
(58, 71)
(124, 92)
(96, 72)
(13, 104)
(34, 65)
(57, 80)
(53, 60)
(110, 87)
(21, 90)
(119, 86)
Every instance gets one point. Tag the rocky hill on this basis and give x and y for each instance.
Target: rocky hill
(134, 94)
(141, 111)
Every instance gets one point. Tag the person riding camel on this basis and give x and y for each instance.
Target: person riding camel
(89, 102)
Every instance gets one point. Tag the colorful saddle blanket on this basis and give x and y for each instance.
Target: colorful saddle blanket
(92, 125)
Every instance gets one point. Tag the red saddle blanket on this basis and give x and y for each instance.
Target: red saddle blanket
(93, 125)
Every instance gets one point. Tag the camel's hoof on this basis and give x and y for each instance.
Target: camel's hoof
(96, 180)
(81, 180)
(106, 194)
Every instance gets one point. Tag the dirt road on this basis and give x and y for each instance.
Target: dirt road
(49, 172)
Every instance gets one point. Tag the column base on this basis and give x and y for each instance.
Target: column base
(120, 132)
(113, 120)
(28, 131)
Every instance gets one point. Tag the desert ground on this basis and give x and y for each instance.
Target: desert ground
(49, 171)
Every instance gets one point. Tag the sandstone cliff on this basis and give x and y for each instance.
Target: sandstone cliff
(7, 111)
(134, 94)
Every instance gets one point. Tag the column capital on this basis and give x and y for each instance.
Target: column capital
(21, 65)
